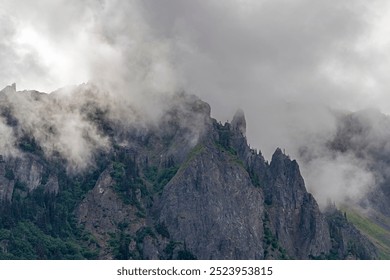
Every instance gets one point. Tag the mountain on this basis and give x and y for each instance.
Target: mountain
(364, 135)
(178, 186)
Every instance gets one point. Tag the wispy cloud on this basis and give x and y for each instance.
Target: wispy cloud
(288, 64)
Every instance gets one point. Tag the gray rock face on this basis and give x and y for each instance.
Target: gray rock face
(28, 172)
(212, 207)
(294, 213)
(224, 202)
(102, 211)
(186, 188)
(347, 242)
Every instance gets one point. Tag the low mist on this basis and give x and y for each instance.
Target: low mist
(297, 69)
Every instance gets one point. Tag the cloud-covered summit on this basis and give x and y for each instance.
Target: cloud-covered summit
(288, 64)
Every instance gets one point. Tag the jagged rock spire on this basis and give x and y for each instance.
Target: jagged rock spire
(239, 122)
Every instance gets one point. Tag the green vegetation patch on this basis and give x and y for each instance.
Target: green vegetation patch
(119, 243)
(127, 178)
(159, 178)
(377, 234)
(42, 225)
(27, 241)
(272, 248)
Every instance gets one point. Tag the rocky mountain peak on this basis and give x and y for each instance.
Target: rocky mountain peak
(188, 187)
(9, 89)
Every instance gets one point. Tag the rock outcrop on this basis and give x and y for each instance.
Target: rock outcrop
(189, 187)
(213, 208)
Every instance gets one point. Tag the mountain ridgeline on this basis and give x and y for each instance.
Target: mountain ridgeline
(183, 187)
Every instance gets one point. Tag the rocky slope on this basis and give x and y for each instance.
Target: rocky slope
(185, 187)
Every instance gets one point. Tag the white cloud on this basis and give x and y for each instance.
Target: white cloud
(288, 64)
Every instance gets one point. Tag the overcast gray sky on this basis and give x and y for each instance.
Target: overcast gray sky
(287, 64)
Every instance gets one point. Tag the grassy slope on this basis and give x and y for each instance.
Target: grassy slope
(373, 228)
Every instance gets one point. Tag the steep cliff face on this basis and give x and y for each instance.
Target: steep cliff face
(22, 175)
(187, 187)
(212, 207)
(294, 213)
(347, 242)
(224, 201)
(102, 212)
